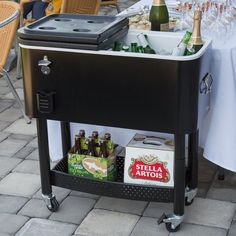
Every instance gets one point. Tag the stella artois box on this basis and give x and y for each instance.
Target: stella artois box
(149, 161)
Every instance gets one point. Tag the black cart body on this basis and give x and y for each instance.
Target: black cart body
(136, 91)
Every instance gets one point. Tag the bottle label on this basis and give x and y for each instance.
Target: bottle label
(142, 40)
(164, 27)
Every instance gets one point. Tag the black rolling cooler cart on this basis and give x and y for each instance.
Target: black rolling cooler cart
(145, 92)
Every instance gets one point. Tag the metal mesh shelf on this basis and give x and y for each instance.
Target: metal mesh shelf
(60, 177)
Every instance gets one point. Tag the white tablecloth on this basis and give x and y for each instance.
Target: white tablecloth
(218, 126)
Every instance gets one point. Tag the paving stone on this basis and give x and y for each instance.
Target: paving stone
(21, 127)
(121, 205)
(35, 208)
(19, 184)
(9, 147)
(4, 124)
(3, 136)
(11, 114)
(223, 194)
(18, 83)
(33, 143)
(10, 223)
(228, 182)
(210, 213)
(42, 227)
(4, 91)
(206, 172)
(19, 91)
(7, 164)
(1, 234)
(148, 227)
(73, 210)
(105, 223)
(4, 105)
(24, 152)
(232, 230)
(22, 137)
(203, 189)
(82, 194)
(60, 193)
(11, 204)
(33, 155)
(28, 166)
(156, 209)
(196, 230)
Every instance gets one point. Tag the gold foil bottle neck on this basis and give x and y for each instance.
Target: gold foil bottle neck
(196, 38)
(197, 15)
(158, 2)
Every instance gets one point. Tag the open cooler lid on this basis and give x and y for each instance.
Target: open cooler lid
(75, 28)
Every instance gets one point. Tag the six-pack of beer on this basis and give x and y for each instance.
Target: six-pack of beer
(93, 156)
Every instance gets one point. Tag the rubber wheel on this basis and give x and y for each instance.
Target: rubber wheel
(168, 227)
(188, 203)
(54, 205)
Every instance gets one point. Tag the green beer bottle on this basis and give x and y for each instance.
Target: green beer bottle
(134, 47)
(96, 142)
(181, 47)
(195, 43)
(159, 16)
(117, 46)
(144, 43)
(83, 143)
(109, 144)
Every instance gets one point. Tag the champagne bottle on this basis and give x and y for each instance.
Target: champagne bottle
(181, 47)
(195, 43)
(144, 43)
(159, 16)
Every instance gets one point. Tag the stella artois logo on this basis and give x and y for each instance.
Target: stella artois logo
(150, 168)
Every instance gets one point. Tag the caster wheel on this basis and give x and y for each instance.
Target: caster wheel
(54, 205)
(188, 203)
(168, 227)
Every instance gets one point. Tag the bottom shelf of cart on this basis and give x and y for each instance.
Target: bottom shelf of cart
(60, 177)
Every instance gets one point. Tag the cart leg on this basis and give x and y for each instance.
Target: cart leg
(44, 162)
(65, 136)
(173, 221)
(192, 174)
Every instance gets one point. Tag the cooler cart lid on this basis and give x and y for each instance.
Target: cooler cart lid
(76, 28)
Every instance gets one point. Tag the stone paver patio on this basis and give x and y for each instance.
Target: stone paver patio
(23, 212)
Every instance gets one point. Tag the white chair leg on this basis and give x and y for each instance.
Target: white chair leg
(7, 78)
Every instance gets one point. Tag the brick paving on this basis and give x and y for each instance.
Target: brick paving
(23, 213)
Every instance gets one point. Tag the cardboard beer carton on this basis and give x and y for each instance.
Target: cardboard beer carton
(149, 161)
(99, 168)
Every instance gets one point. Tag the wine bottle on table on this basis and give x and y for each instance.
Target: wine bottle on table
(144, 43)
(195, 43)
(159, 16)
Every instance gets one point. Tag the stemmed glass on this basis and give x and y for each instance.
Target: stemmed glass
(182, 23)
